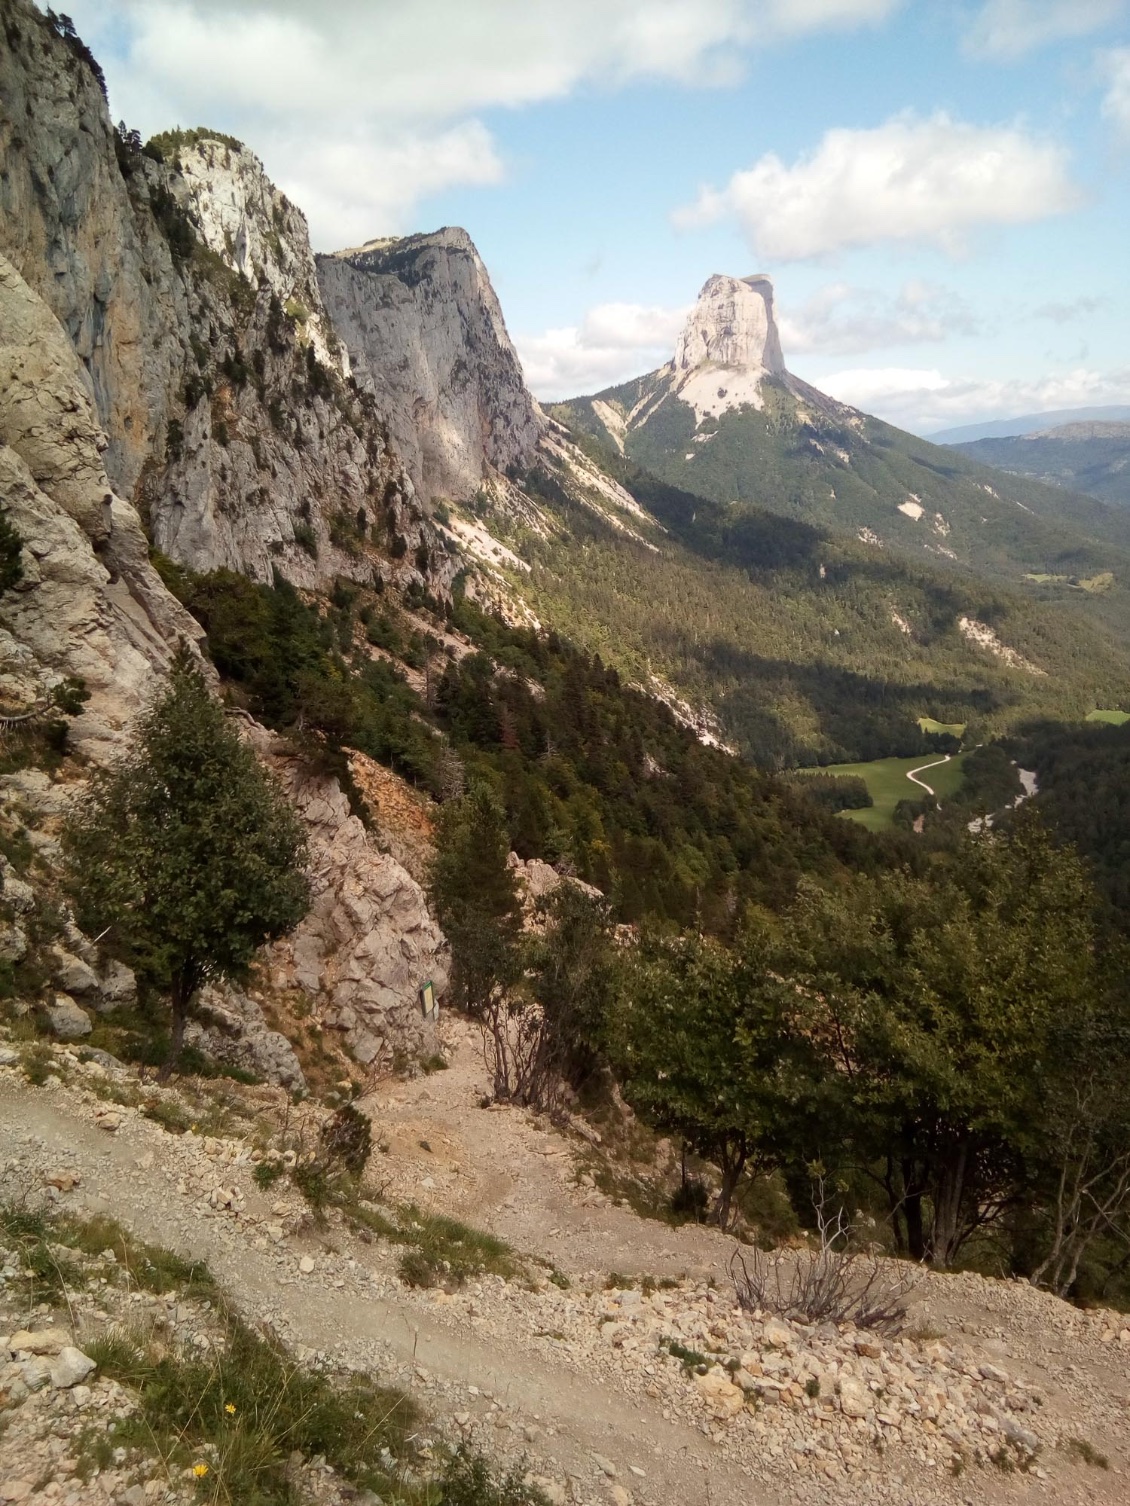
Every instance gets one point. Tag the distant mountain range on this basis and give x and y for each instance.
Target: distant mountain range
(1029, 423)
(1084, 456)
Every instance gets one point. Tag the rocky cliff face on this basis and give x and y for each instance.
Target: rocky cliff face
(426, 338)
(728, 346)
(732, 324)
(186, 284)
(89, 607)
(368, 942)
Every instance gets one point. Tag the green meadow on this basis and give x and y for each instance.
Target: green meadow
(1114, 718)
(887, 784)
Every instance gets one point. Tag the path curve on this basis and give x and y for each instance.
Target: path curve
(912, 774)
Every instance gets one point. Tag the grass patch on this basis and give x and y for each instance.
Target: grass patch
(441, 1251)
(954, 729)
(46, 1272)
(692, 1361)
(1112, 718)
(1086, 1453)
(887, 783)
(151, 1267)
(244, 1414)
(246, 1407)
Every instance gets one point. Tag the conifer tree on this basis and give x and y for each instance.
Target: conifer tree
(185, 855)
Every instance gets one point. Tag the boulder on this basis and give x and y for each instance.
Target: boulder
(39, 1341)
(71, 1367)
(855, 1398)
(116, 988)
(67, 1020)
(231, 1028)
(72, 974)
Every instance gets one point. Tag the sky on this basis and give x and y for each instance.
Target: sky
(940, 189)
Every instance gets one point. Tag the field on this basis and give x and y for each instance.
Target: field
(1114, 718)
(928, 724)
(887, 784)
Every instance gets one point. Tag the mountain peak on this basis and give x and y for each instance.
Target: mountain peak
(732, 325)
(728, 345)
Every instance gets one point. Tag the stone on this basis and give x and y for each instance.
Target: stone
(39, 1341)
(8, 1057)
(71, 1367)
(116, 988)
(16, 1490)
(722, 1396)
(605, 1466)
(306, 1265)
(36, 1373)
(620, 1496)
(855, 1398)
(993, 1373)
(778, 1335)
(64, 1181)
(13, 940)
(67, 1020)
(134, 1496)
(72, 974)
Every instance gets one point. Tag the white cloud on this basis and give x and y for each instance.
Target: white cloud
(925, 400)
(841, 319)
(1116, 103)
(1009, 28)
(614, 342)
(907, 180)
(380, 97)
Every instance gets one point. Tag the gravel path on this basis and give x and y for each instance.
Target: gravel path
(572, 1380)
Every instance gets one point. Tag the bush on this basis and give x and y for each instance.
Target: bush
(347, 1139)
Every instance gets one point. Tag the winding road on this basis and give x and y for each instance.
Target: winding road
(912, 774)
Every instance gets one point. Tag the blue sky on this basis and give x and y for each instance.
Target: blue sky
(941, 191)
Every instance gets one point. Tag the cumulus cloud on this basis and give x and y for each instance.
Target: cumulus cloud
(925, 400)
(910, 180)
(1009, 28)
(1116, 103)
(841, 319)
(380, 99)
(614, 342)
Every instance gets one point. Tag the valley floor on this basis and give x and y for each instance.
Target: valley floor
(574, 1380)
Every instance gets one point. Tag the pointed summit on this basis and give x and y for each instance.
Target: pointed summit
(728, 345)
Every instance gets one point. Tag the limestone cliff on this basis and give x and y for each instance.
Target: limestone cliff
(426, 337)
(368, 942)
(89, 607)
(186, 284)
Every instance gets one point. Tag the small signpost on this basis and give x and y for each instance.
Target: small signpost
(429, 1004)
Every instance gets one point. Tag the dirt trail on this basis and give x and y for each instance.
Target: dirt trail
(400, 1337)
(483, 1361)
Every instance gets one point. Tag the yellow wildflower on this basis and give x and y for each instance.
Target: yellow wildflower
(229, 1408)
(200, 1470)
